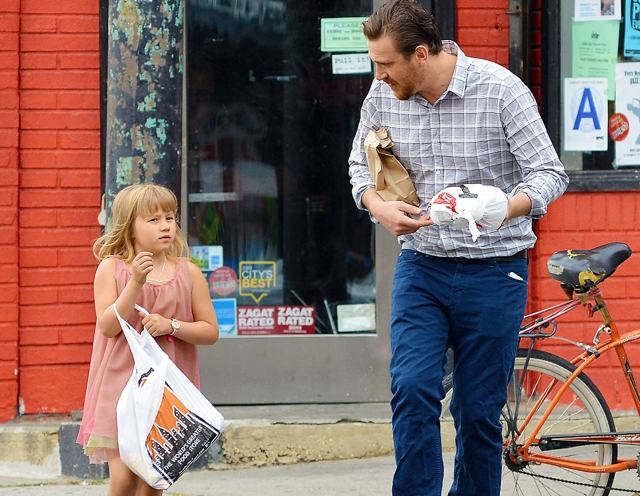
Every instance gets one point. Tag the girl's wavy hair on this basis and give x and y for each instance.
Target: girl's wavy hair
(131, 202)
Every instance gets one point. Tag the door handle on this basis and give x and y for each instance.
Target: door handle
(285, 78)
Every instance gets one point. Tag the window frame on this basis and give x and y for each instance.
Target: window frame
(585, 180)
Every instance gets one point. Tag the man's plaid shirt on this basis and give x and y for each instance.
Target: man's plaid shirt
(484, 129)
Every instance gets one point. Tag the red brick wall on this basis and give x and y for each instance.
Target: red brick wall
(59, 199)
(587, 220)
(483, 29)
(9, 143)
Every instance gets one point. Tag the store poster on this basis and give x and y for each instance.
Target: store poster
(207, 257)
(585, 114)
(225, 309)
(281, 319)
(597, 10)
(628, 105)
(632, 29)
(359, 317)
(257, 279)
(223, 281)
(595, 51)
(350, 63)
(342, 34)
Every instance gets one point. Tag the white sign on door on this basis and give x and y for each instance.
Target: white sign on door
(585, 114)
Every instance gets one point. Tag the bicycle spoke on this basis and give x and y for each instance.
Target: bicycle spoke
(547, 488)
(538, 485)
(561, 416)
(535, 388)
(580, 475)
(577, 427)
(519, 490)
(571, 487)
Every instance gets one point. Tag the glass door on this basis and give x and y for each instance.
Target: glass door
(273, 93)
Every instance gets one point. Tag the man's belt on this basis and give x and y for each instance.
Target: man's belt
(521, 255)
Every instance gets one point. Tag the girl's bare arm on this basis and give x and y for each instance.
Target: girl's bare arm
(204, 329)
(105, 292)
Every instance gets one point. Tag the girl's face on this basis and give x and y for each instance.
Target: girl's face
(154, 232)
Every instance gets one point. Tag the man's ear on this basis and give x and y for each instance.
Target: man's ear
(422, 53)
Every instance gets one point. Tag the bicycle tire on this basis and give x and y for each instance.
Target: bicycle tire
(588, 411)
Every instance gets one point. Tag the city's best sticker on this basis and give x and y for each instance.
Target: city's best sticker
(257, 279)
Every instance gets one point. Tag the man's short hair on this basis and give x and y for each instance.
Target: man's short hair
(408, 23)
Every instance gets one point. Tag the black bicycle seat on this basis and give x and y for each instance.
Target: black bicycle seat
(584, 269)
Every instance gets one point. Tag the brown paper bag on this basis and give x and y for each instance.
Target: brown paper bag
(392, 181)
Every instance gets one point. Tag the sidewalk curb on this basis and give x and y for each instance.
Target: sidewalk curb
(47, 450)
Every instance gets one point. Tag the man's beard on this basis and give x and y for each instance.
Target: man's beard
(402, 93)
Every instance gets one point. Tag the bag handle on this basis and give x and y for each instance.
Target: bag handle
(132, 336)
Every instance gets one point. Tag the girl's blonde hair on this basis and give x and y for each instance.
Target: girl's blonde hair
(131, 202)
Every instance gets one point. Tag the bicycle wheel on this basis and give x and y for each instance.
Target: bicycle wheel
(581, 409)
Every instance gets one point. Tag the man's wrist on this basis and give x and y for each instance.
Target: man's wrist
(518, 205)
(370, 199)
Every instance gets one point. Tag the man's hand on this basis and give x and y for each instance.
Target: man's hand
(395, 216)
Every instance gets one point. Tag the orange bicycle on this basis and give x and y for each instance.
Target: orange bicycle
(559, 437)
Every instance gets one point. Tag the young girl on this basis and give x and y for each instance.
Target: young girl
(140, 262)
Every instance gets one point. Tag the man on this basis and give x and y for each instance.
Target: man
(453, 120)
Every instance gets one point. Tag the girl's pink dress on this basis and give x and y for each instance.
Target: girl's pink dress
(112, 362)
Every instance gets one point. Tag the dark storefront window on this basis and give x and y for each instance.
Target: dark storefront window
(270, 120)
(581, 35)
(605, 159)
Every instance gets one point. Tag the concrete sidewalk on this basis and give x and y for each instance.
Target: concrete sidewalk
(364, 477)
(41, 450)
(44, 446)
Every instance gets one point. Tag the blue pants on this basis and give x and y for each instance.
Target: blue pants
(475, 307)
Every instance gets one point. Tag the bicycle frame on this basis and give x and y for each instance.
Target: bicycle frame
(582, 361)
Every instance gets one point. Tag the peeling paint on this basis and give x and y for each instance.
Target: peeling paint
(128, 22)
(144, 92)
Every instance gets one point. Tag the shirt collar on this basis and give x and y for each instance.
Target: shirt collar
(458, 81)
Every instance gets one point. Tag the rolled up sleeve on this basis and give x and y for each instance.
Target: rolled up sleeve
(358, 168)
(544, 177)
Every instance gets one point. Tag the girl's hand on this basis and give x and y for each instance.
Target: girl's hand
(156, 324)
(141, 266)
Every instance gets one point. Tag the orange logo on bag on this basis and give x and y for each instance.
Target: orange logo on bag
(178, 437)
(167, 424)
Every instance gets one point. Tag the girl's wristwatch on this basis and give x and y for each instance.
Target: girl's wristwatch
(175, 325)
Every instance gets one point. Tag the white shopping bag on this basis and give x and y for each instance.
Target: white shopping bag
(469, 206)
(164, 422)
